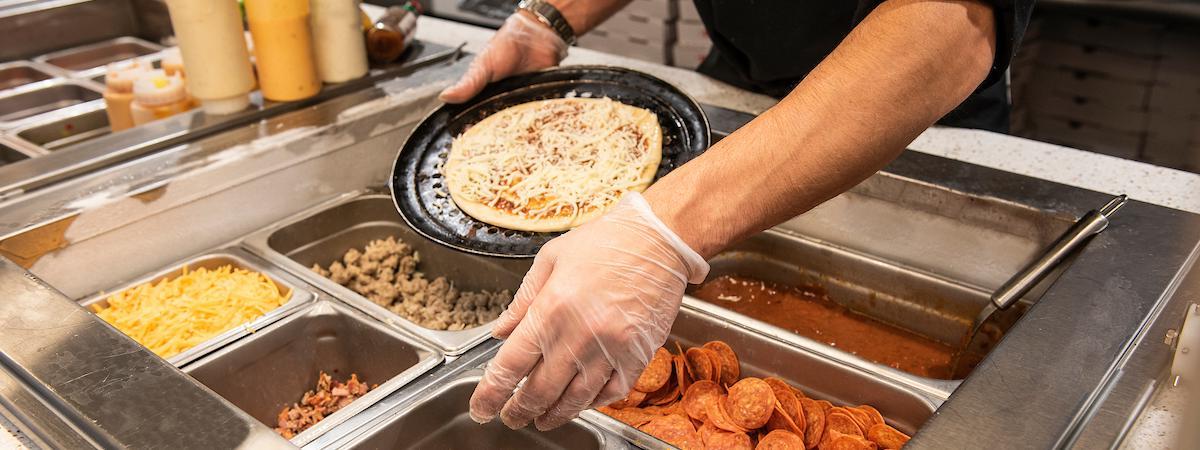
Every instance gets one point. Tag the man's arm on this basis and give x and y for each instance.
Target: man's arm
(904, 67)
(583, 15)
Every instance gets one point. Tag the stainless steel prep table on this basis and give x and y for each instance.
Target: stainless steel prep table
(1041, 387)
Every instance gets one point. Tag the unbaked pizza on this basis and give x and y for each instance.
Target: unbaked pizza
(551, 165)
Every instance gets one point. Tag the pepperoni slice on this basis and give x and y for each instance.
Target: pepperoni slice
(727, 440)
(780, 440)
(839, 421)
(699, 364)
(731, 368)
(840, 441)
(675, 430)
(861, 418)
(750, 403)
(657, 372)
(876, 417)
(886, 436)
(717, 415)
(815, 417)
(698, 396)
(788, 400)
(634, 417)
(780, 420)
(681, 373)
(633, 398)
(667, 394)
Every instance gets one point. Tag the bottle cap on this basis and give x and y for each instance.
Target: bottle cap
(121, 75)
(172, 60)
(157, 88)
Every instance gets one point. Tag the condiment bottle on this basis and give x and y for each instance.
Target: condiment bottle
(283, 49)
(157, 95)
(118, 92)
(214, 53)
(172, 62)
(392, 33)
(338, 38)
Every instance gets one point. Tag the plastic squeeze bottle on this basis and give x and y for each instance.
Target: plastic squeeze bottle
(283, 49)
(118, 92)
(393, 33)
(340, 47)
(214, 53)
(157, 95)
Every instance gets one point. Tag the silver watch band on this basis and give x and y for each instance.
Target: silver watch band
(549, 15)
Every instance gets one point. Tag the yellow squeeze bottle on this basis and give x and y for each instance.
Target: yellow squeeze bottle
(283, 49)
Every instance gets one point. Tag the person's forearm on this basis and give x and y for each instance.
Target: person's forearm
(583, 15)
(904, 67)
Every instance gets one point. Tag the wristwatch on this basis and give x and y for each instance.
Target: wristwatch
(549, 15)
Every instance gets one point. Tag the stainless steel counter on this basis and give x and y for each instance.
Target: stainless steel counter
(1062, 376)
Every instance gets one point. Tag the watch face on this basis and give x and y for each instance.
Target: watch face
(494, 9)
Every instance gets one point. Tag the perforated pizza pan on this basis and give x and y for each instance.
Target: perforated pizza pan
(418, 187)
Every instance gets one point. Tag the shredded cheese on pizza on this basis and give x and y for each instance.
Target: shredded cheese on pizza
(178, 313)
(556, 158)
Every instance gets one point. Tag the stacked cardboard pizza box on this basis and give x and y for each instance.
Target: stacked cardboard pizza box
(1124, 87)
(645, 29)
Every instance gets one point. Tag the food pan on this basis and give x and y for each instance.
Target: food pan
(17, 105)
(240, 260)
(439, 419)
(820, 377)
(20, 73)
(66, 131)
(79, 61)
(10, 154)
(323, 235)
(275, 367)
(934, 307)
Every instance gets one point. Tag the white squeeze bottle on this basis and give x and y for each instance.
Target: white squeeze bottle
(338, 40)
(214, 53)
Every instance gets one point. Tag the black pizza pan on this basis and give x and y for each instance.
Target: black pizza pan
(418, 187)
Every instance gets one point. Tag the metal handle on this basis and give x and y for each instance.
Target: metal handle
(1090, 224)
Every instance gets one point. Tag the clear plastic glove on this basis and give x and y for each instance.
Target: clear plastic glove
(588, 317)
(521, 45)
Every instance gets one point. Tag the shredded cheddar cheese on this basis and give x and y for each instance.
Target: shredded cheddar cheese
(178, 313)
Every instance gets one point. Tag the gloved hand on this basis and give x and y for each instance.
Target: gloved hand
(588, 317)
(521, 45)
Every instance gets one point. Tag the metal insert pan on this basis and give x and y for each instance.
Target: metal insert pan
(417, 179)
(323, 234)
(819, 377)
(439, 419)
(238, 259)
(276, 366)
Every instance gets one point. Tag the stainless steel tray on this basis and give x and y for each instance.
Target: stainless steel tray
(28, 103)
(439, 419)
(238, 259)
(276, 366)
(11, 153)
(323, 234)
(817, 375)
(20, 73)
(932, 306)
(65, 131)
(82, 61)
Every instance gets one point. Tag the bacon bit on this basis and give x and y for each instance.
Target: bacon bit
(314, 406)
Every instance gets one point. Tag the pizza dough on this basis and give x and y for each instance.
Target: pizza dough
(551, 165)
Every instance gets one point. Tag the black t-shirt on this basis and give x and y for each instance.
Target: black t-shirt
(768, 46)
